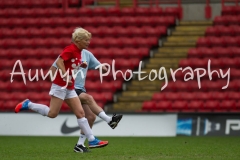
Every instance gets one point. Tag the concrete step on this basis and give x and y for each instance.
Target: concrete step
(136, 93)
(196, 23)
(127, 106)
(182, 38)
(188, 33)
(170, 55)
(179, 44)
(190, 28)
(173, 49)
(134, 99)
(167, 66)
(164, 60)
(144, 88)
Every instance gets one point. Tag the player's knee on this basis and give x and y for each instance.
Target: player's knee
(80, 114)
(52, 115)
(89, 98)
(91, 117)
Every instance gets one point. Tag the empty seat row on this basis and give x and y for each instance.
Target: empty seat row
(219, 30)
(95, 42)
(25, 53)
(44, 64)
(215, 52)
(224, 41)
(234, 74)
(226, 20)
(127, 52)
(29, 3)
(88, 12)
(231, 10)
(121, 63)
(220, 63)
(28, 63)
(206, 86)
(93, 75)
(34, 95)
(86, 21)
(103, 31)
(8, 106)
(192, 106)
(189, 96)
(95, 86)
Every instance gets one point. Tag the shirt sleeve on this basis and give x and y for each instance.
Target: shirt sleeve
(93, 62)
(66, 55)
(54, 63)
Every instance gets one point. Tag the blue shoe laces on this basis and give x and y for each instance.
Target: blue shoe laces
(94, 142)
(25, 105)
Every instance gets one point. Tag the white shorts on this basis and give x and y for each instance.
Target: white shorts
(58, 92)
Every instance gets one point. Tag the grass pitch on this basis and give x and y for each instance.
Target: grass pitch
(122, 148)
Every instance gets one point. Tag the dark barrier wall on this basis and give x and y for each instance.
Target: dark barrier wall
(208, 124)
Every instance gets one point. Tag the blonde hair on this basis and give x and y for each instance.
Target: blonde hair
(80, 33)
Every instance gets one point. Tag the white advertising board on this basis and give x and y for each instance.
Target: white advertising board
(32, 124)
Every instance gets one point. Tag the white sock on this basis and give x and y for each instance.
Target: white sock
(105, 117)
(84, 126)
(40, 108)
(81, 139)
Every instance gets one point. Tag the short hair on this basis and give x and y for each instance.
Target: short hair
(80, 33)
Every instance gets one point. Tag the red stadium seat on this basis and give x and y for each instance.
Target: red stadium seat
(127, 12)
(229, 10)
(212, 31)
(212, 105)
(187, 96)
(83, 11)
(163, 105)
(156, 11)
(235, 73)
(220, 20)
(235, 51)
(99, 97)
(203, 96)
(108, 96)
(202, 42)
(170, 86)
(116, 21)
(142, 11)
(227, 105)
(99, 11)
(205, 52)
(221, 52)
(173, 11)
(100, 21)
(235, 30)
(219, 96)
(113, 11)
(173, 96)
(196, 105)
(158, 97)
(179, 105)
(10, 105)
(234, 85)
(184, 63)
(148, 105)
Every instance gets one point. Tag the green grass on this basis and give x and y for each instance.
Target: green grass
(122, 148)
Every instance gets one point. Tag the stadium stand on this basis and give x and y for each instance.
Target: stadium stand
(30, 33)
(220, 44)
(34, 30)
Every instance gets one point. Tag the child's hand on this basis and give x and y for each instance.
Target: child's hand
(83, 64)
